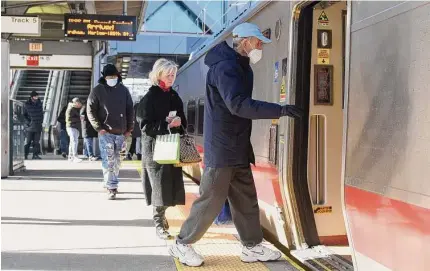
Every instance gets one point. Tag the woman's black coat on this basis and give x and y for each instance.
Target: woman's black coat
(163, 184)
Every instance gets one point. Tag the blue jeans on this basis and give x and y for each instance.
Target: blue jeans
(88, 146)
(110, 148)
(64, 141)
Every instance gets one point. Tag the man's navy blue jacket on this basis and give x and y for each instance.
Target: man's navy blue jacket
(230, 109)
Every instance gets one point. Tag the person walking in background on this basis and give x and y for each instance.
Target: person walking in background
(163, 184)
(88, 134)
(73, 121)
(33, 114)
(229, 111)
(110, 112)
(135, 146)
(64, 137)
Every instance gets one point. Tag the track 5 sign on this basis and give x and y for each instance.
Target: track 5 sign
(100, 27)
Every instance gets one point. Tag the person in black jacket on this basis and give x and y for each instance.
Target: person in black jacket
(88, 133)
(73, 121)
(163, 184)
(33, 114)
(229, 111)
(110, 112)
(64, 137)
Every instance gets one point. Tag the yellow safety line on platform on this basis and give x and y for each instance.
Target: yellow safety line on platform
(293, 263)
(178, 265)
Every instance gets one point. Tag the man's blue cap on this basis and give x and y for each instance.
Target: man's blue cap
(246, 30)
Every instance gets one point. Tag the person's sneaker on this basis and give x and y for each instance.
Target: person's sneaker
(64, 155)
(36, 157)
(163, 233)
(76, 160)
(93, 158)
(186, 254)
(112, 194)
(259, 253)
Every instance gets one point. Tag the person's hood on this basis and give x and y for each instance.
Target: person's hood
(221, 52)
(71, 105)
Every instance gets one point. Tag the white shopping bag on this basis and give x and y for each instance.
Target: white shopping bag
(166, 150)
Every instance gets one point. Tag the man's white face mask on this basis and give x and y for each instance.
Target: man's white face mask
(112, 82)
(255, 55)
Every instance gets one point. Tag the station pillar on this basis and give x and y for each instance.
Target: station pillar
(5, 72)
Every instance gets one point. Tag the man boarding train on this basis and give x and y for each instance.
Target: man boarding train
(229, 111)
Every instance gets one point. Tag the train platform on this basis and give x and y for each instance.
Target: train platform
(56, 216)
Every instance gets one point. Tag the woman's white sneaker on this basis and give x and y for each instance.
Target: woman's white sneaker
(259, 253)
(186, 255)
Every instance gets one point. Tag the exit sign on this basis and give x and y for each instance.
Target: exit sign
(32, 60)
(35, 47)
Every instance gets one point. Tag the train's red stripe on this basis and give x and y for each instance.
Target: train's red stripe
(391, 232)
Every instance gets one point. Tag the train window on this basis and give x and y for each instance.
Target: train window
(191, 116)
(200, 116)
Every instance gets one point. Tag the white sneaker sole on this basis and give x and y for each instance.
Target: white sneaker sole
(182, 260)
(253, 259)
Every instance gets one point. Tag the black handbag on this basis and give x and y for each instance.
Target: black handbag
(188, 154)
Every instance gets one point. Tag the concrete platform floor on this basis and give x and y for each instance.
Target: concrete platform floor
(56, 216)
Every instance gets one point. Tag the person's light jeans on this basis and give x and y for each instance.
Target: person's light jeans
(74, 140)
(88, 146)
(110, 148)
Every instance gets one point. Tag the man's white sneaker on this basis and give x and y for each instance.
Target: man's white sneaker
(77, 160)
(186, 254)
(259, 253)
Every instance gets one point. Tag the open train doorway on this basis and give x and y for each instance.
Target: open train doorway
(317, 151)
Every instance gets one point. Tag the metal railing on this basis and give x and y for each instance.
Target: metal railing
(16, 136)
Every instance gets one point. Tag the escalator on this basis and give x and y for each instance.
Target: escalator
(32, 80)
(79, 85)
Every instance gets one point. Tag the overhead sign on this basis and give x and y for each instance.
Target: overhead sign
(35, 47)
(51, 61)
(20, 25)
(102, 27)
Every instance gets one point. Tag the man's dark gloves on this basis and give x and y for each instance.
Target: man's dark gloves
(291, 111)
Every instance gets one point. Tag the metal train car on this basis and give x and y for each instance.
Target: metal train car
(355, 171)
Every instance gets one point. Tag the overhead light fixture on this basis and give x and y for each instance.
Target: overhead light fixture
(124, 69)
(126, 59)
(125, 65)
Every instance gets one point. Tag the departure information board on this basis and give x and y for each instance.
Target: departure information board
(100, 27)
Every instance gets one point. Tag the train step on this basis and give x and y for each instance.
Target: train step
(321, 258)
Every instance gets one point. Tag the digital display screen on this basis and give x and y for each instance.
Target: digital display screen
(100, 27)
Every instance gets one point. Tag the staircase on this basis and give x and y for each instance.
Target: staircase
(80, 85)
(32, 80)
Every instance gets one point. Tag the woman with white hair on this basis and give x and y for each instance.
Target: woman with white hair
(159, 111)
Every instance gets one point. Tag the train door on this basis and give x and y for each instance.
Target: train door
(317, 147)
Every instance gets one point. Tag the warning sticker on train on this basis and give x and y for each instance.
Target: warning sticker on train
(323, 56)
(323, 210)
(323, 19)
(283, 91)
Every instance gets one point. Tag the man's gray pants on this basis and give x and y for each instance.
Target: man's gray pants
(218, 184)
